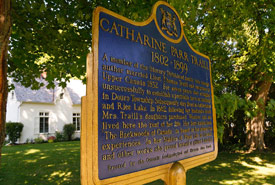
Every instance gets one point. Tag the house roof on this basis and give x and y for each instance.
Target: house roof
(43, 95)
(76, 90)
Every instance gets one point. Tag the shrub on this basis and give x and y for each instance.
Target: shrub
(38, 140)
(51, 139)
(27, 141)
(59, 136)
(68, 131)
(13, 130)
(76, 139)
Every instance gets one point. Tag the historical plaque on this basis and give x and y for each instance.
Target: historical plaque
(149, 99)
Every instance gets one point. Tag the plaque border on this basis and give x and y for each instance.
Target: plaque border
(89, 118)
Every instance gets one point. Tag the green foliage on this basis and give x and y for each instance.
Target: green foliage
(55, 36)
(225, 105)
(38, 140)
(68, 131)
(51, 36)
(270, 109)
(220, 131)
(270, 124)
(51, 139)
(270, 135)
(239, 39)
(59, 136)
(13, 130)
(29, 141)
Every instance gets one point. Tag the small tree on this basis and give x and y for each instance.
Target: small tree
(13, 130)
(68, 131)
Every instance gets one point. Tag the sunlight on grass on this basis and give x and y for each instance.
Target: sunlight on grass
(224, 164)
(31, 151)
(257, 159)
(258, 172)
(60, 174)
(233, 182)
(41, 164)
(60, 149)
(43, 157)
(59, 164)
(261, 171)
(31, 161)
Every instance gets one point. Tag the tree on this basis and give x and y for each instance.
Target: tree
(239, 38)
(5, 31)
(53, 37)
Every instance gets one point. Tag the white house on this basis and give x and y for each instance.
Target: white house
(45, 111)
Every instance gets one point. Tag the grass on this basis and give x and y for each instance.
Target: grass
(237, 169)
(41, 164)
(59, 163)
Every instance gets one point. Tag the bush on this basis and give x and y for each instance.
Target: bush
(68, 131)
(51, 139)
(27, 141)
(59, 137)
(38, 140)
(13, 130)
(76, 139)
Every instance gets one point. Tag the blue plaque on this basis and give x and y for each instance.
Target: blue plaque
(153, 91)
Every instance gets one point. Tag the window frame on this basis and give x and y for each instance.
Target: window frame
(76, 120)
(44, 122)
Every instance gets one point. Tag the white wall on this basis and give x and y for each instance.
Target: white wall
(13, 108)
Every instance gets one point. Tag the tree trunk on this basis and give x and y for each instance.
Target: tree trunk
(5, 31)
(255, 126)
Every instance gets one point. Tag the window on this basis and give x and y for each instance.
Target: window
(76, 121)
(12, 95)
(43, 122)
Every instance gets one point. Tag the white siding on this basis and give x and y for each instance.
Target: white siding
(60, 113)
(13, 108)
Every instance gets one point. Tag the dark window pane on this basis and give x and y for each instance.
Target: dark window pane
(46, 127)
(41, 127)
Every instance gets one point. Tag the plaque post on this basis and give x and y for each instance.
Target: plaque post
(177, 175)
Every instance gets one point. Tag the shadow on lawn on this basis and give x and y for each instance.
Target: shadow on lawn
(59, 163)
(251, 169)
(236, 168)
(50, 163)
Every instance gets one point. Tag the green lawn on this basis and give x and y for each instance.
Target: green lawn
(41, 164)
(59, 163)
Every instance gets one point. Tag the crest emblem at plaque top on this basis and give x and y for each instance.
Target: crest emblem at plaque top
(168, 23)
